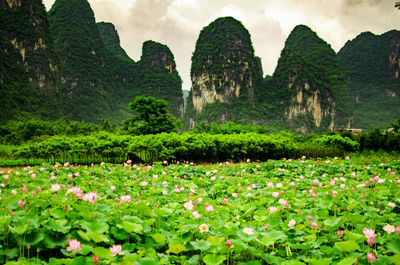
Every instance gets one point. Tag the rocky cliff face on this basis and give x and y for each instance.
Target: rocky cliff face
(159, 77)
(224, 69)
(87, 79)
(309, 85)
(372, 63)
(394, 58)
(99, 79)
(29, 73)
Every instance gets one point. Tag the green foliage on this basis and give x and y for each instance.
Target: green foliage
(224, 38)
(372, 78)
(18, 132)
(110, 38)
(99, 78)
(199, 147)
(29, 77)
(395, 125)
(339, 142)
(230, 128)
(224, 52)
(155, 213)
(307, 59)
(152, 117)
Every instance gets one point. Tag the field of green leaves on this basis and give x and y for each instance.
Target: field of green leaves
(278, 212)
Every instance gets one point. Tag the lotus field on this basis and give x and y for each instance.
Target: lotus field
(278, 212)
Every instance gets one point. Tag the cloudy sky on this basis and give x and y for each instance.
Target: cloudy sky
(177, 23)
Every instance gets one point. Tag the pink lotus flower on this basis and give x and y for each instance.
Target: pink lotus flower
(90, 197)
(209, 208)
(314, 225)
(275, 194)
(55, 187)
(369, 233)
(126, 198)
(203, 228)
(389, 228)
(20, 203)
(370, 241)
(228, 243)
(371, 257)
(143, 183)
(188, 205)
(283, 202)
(248, 230)
(73, 245)
(95, 259)
(273, 209)
(391, 204)
(116, 250)
(292, 223)
(266, 227)
(340, 233)
(234, 195)
(309, 218)
(196, 214)
(76, 190)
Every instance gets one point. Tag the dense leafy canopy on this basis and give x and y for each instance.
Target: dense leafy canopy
(308, 66)
(29, 76)
(371, 62)
(152, 117)
(111, 40)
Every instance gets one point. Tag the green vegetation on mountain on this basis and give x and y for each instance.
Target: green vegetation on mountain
(159, 77)
(308, 85)
(89, 85)
(372, 63)
(99, 79)
(226, 75)
(65, 65)
(29, 74)
(110, 38)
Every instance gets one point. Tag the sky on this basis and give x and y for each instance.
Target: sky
(177, 23)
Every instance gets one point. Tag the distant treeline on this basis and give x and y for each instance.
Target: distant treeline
(79, 141)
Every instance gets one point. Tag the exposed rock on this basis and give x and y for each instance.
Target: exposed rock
(30, 76)
(310, 84)
(224, 69)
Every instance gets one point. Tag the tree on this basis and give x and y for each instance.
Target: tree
(395, 125)
(151, 117)
(397, 5)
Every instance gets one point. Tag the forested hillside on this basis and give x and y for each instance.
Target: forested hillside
(226, 75)
(63, 64)
(308, 86)
(29, 73)
(372, 63)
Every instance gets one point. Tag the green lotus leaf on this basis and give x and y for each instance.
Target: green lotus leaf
(347, 246)
(214, 259)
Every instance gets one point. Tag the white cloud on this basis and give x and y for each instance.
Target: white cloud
(177, 23)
